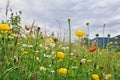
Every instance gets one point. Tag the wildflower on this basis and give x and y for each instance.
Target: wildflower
(36, 54)
(110, 42)
(95, 77)
(83, 61)
(107, 76)
(25, 52)
(93, 48)
(27, 27)
(41, 46)
(4, 27)
(62, 71)
(49, 40)
(60, 55)
(43, 68)
(16, 59)
(89, 60)
(79, 33)
(116, 42)
(29, 36)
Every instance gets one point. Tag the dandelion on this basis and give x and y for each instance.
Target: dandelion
(95, 77)
(4, 27)
(63, 71)
(79, 33)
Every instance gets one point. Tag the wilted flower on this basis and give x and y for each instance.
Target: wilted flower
(4, 27)
(79, 33)
(63, 71)
(95, 77)
(93, 48)
(33, 76)
(27, 27)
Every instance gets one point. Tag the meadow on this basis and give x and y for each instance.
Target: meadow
(26, 53)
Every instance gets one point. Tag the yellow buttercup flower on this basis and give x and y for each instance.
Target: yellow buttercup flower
(4, 27)
(62, 71)
(79, 33)
(95, 77)
(60, 55)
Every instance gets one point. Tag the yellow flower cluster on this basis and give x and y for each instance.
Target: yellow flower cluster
(79, 33)
(4, 27)
(95, 77)
(62, 71)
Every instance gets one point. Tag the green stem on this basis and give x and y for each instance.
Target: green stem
(69, 46)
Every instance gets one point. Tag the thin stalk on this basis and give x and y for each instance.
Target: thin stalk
(69, 46)
(88, 37)
(103, 36)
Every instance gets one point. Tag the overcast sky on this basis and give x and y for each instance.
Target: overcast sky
(46, 13)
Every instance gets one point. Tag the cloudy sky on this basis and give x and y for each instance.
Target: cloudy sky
(50, 14)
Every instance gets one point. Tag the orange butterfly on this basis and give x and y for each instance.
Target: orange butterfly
(93, 48)
(27, 27)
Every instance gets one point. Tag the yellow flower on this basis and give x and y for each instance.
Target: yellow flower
(108, 76)
(4, 27)
(116, 42)
(60, 55)
(95, 77)
(110, 42)
(62, 71)
(49, 40)
(25, 53)
(29, 36)
(79, 33)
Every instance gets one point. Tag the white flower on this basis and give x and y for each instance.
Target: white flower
(43, 68)
(83, 61)
(48, 56)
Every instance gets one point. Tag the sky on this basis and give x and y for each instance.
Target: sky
(52, 15)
